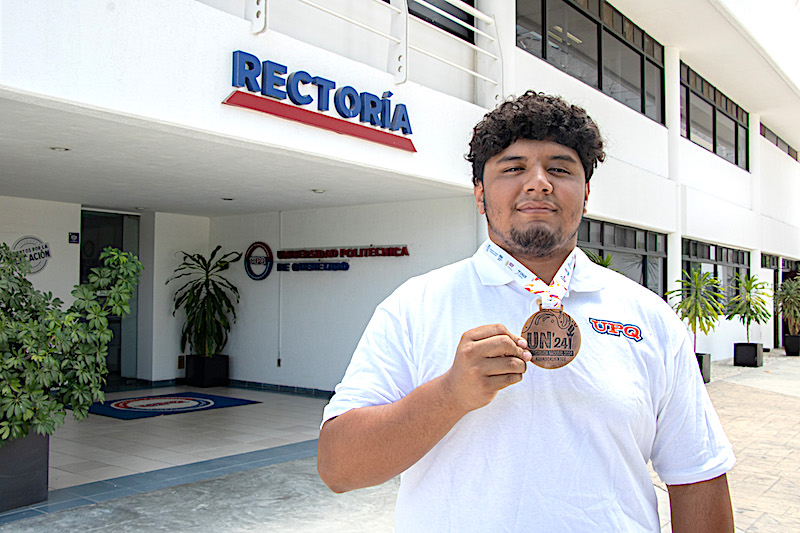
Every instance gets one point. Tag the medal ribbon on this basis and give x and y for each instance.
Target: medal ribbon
(550, 295)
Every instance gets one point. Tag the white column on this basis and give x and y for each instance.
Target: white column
(672, 110)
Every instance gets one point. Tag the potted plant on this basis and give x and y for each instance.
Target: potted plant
(787, 300)
(750, 306)
(206, 298)
(701, 304)
(51, 360)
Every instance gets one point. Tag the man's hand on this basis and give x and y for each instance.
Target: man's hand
(488, 359)
(369, 445)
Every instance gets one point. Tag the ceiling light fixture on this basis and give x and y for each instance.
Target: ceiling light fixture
(318, 191)
(227, 199)
(59, 149)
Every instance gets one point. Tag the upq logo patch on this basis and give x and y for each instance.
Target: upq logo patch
(607, 327)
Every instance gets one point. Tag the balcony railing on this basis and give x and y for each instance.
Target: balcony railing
(485, 67)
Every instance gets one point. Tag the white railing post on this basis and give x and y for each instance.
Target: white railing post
(489, 94)
(256, 12)
(398, 51)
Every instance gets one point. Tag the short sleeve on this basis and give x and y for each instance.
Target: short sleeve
(381, 370)
(690, 444)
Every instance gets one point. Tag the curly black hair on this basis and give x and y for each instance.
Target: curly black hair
(539, 117)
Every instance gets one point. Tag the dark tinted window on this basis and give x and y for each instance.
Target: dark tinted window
(622, 72)
(572, 41)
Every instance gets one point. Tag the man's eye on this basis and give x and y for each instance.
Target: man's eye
(513, 169)
(560, 170)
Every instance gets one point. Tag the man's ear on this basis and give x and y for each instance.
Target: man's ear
(585, 197)
(479, 200)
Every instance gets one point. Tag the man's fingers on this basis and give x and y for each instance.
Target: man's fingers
(502, 381)
(487, 331)
(498, 366)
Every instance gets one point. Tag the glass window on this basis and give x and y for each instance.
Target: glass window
(653, 86)
(629, 265)
(427, 14)
(726, 137)
(655, 274)
(572, 41)
(529, 26)
(622, 72)
(684, 92)
(592, 6)
(702, 122)
(741, 147)
(595, 229)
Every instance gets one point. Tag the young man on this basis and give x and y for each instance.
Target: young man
(492, 434)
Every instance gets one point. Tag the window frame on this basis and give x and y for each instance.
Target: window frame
(695, 86)
(648, 50)
(648, 251)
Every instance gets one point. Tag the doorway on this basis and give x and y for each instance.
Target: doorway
(99, 230)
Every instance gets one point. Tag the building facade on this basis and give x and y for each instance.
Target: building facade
(334, 134)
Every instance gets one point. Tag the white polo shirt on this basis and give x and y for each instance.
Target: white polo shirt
(565, 449)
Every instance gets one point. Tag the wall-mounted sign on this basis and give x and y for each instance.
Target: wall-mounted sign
(271, 80)
(258, 261)
(74, 238)
(394, 250)
(37, 251)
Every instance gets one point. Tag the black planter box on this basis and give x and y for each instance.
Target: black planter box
(207, 371)
(704, 361)
(748, 354)
(23, 471)
(792, 344)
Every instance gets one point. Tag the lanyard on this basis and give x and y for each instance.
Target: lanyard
(551, 294)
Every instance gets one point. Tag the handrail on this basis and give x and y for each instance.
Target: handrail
(390, 6)
(454, 37)
(488, 60)
(454, 65)
(468, 9)
(350, 20)
(457, 20)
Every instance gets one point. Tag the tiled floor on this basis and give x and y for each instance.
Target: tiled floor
(101, 448)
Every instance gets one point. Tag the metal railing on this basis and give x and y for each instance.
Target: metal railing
(487, 69)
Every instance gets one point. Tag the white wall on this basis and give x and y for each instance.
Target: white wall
(51, 222)
(173, 233)
(253, 342)
(780, 190)
(322, 314)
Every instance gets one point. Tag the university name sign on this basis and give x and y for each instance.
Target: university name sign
(274, 82)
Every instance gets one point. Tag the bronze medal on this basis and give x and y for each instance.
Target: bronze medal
(553, 338)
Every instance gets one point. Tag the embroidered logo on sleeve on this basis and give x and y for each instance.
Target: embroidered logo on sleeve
(607, 327)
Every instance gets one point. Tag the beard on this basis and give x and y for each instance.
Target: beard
(535, 242)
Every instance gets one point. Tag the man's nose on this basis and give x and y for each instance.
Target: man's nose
(538, 180)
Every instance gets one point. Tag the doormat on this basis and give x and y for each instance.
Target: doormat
(166, 404)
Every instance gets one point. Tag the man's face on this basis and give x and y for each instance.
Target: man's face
(534, 195)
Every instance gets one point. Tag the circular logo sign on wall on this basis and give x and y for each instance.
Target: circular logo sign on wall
(258, 261)
(37, 251)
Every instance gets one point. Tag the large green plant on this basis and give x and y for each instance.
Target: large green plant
(700, 301)
(750, 304)
(787, 298)
(51, 359)
(206, 298)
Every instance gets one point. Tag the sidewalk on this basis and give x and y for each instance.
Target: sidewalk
(759, 408)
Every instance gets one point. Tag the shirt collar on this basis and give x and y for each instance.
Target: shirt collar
(584, 277)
